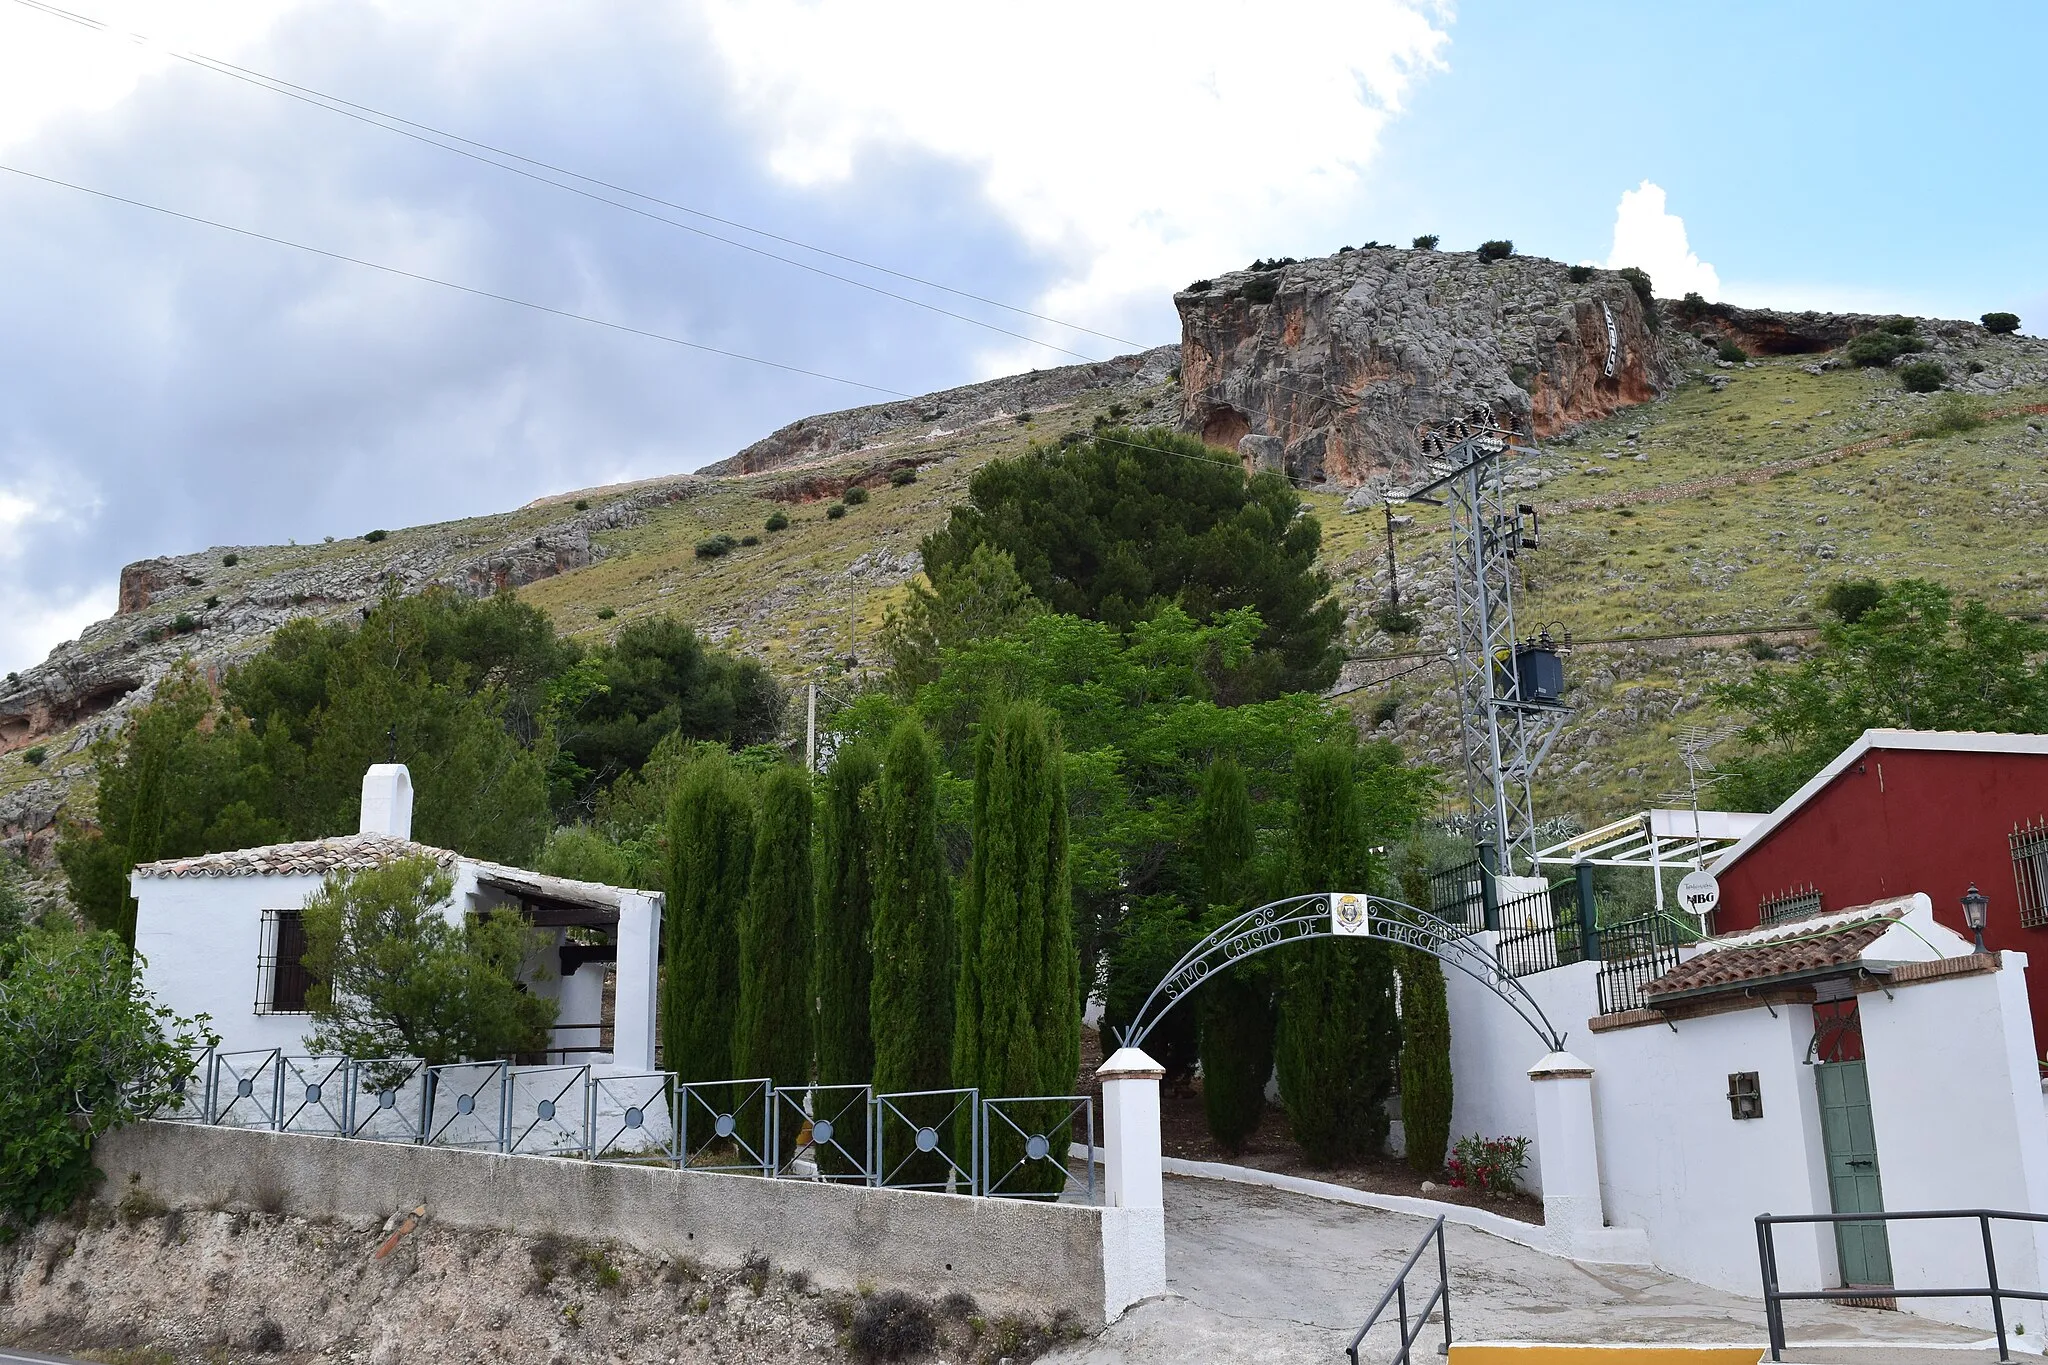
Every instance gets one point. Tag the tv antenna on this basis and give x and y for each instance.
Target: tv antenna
(1510, 710)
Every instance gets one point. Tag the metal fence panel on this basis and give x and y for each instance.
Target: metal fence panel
(388, 1099)
(928, 1140)
(548, 1111)
(633, 1118)
(314, 1096)
(187, 1099)
(725, 1126)
(245, 1088)
(466, 1105)
(1540, 931)
(1633, 954)
(822, 1133)
(1025, 1143)
(1457, 895)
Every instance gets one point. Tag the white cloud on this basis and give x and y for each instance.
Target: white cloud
(1650, 238)
(1138, 144)
(34, 623)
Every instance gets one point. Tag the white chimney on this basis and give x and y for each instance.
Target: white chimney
(387, 800)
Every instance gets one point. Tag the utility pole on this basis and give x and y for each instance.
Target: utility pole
(1393, 578)
(811, 726)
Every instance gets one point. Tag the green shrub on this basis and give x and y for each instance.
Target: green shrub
(835, 511)
(855, 496)
(185, 623)
(892, 1325)
(1497, 250)
(374, 536)
(1849, 600)
(1951, 415)
(1692, 307)
(2001, 324)
(1489, 1165)
(229, 561)
(583, 504)
(1261, 290)
(1901, 327)
(1923, 376)
(777, 520)
(1426, 1082)
(903, 477)
(1579, 274)
(1639, 280)
(1196, 287)
(1760, 649)
(212, 602)
(1272, 263)
(1730, 352)
(1882, 347)
(1394, 621)
(1426, 242)
(1024, 418)
(718, 545)
(606, 613)
(34, 756)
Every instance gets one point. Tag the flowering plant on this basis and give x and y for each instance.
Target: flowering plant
(1489, 1165)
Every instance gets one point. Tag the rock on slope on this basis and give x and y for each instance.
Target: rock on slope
(1330, 367)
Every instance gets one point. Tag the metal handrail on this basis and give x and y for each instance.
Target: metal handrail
(1775, 1297)
(1397, 1293)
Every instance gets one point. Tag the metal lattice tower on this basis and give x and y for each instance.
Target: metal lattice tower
(1505, 737)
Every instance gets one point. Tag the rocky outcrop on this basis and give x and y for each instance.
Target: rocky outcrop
(884, 425)
(1770, 331)
(1343, 360)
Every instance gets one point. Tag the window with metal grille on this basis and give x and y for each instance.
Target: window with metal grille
(281, 978)
(1745, 1096)
(1788, 905)
(2030, 870)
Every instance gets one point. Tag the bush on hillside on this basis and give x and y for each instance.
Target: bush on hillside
(606, 613)
(720, 544)
(1848, 600)
(2001, 324)
(1901, 327)
(1692, 307)
(1497, 250)
(1951, 416)
(747, 541)
(1923, 376)
(1261, 290)
(229, 561)
(34, 756)
(903, 477)
(1579, 274)
(1874, 349)
(835, 511)
(374, 536)
(1730, 352)
(1426, 242)
(777, 520)
(855, 496)
(583, 504)
(1639, 280)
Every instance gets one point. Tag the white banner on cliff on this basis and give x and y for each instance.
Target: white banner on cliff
(1349, 913)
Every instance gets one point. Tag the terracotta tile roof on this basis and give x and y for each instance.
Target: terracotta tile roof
(1745, 959)
(313, 857)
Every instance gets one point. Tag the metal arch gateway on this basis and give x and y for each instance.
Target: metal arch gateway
(1306, 917)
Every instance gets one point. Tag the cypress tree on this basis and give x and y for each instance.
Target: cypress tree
(911, 1000)
(841, 958)
(771, 1035)
(1017, 1017)
(710, 856)
(1237, 1003)
(1426, 1090)
(1338, 1031)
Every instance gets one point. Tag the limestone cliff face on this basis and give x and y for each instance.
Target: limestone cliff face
(1333, 366)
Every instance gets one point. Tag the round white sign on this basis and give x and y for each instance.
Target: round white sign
(1699, 892)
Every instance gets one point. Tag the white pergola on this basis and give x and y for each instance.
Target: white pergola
(1655, 840)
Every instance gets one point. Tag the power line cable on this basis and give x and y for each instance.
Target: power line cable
(459, 288)
(391, 123)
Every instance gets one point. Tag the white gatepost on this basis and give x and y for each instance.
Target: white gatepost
(1567, 1150)
(638, 981)
(1134, 1183)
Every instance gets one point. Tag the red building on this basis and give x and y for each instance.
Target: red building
(1903, 811)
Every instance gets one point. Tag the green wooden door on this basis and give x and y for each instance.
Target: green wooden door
(1853, 1187)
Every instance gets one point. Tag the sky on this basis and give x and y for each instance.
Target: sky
(168, 385)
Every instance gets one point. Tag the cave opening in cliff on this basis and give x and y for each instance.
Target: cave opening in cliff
(1225, 426)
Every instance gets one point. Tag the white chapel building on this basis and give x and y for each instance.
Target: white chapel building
(222, 934)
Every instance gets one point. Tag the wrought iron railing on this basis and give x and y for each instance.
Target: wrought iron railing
(1397, 1294)
(1634, 953)
(953, 1140)
(1457, 895)
(1776, 1297)
(1540, 931)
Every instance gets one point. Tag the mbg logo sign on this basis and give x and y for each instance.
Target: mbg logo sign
(1348, 913)
(1699, 892)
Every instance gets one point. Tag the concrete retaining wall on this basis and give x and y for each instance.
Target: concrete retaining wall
(1012, 1256)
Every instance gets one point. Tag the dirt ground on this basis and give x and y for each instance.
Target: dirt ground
(139, 1285)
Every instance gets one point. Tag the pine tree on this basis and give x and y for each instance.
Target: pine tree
(1017, 1020)
(1338, 1031)
(842, 962)
(1236, 1003)
(772, 1035)
(911, 999)
(710, 857)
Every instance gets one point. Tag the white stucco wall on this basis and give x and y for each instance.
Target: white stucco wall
(1955, 1100)
(201, 936)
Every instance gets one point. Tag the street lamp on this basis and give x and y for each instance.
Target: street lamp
(1976, 911)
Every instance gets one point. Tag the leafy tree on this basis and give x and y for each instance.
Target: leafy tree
(1883, 346)
(771, 1030)
(1913, 660)
(585, 855)
(392, 976)
(2001, 324)
(1851, 600)
(655, 679)
(1426, 242)
(87, 1050)
(1338, 1032)
(915, 934)
(1017, 1013)
(1237, 1004)
(1923, 376)
(979, 597)
(1639, 280)
(710, 861)
(842, 961)
(1426, 1080)
(1117, 527)
(1498, 250)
